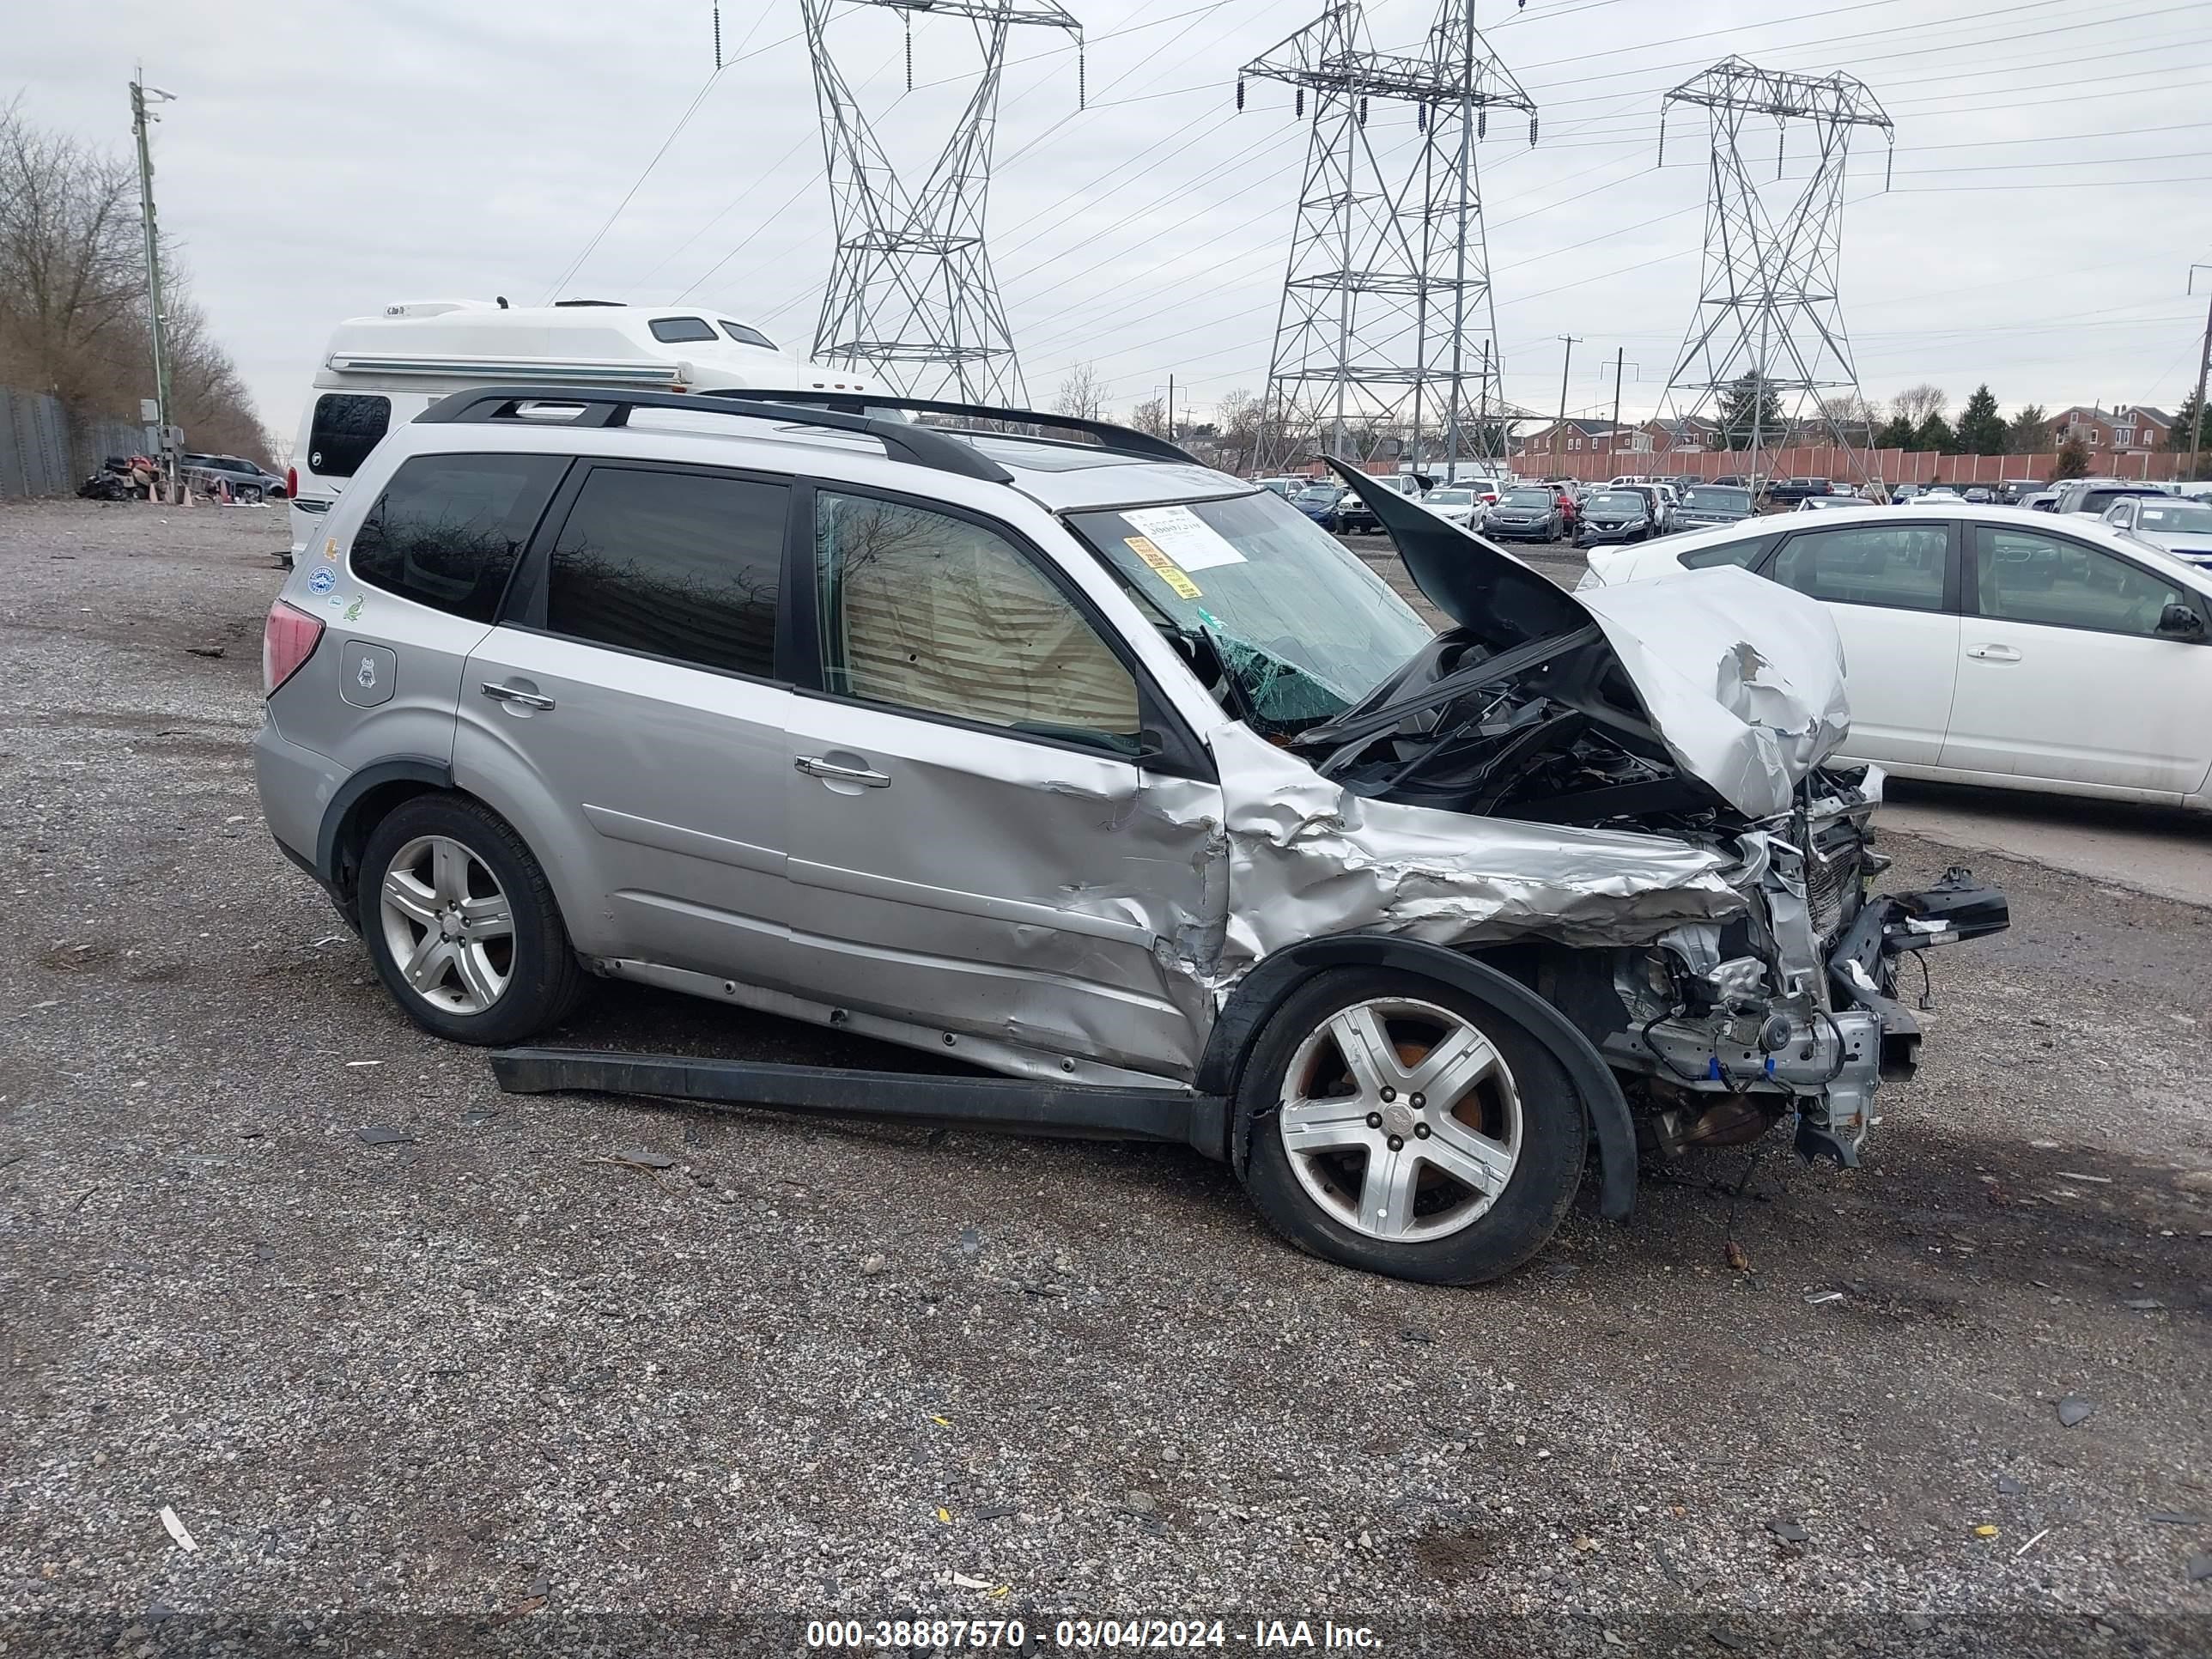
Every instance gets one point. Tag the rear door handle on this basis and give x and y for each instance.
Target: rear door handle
(1992, 653)
(499, 693)
(815, 766)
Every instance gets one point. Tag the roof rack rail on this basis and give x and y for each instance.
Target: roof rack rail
(902, 441)
(1126, 439)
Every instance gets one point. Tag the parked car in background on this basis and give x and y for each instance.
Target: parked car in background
(1984, 646)
(2093, 495)
(1530, 513)
(1321, 500)
(1705, 505)
(1286, 488)
(248, 481)
(2013, 491)
(2182, 528)
(1901, 493)
(1826, 503)
(1980, 495)
(1455, 504)
(1355, 518)
(1618, 513)
(1785, 492)
(1941, 493)
(2041, 501)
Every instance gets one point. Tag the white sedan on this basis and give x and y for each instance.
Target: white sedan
(1985, 646)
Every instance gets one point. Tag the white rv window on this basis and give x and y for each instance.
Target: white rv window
(670, 329)
(345, 429)
(744, 335)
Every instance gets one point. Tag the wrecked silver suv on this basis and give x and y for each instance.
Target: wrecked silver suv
(1102, 772)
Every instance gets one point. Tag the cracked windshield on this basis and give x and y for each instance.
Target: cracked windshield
(1288, 625)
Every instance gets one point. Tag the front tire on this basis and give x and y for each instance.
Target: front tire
(1409, 1128)
(462, 925)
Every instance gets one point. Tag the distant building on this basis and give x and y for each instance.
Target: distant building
(1582, 437)
(1683, 432)
(2131, 429)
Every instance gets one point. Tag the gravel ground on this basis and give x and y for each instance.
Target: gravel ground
(491, 1387)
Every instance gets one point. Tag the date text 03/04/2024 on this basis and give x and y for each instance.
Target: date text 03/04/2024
(1137, 1634)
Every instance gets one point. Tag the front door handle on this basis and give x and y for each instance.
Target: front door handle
(815, 766)
(1992, 653)
(499, 693)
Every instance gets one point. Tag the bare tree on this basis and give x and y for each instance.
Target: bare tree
(1848, 408)
(71, 267)
(1081, 394)
(1151, 416)
(73, 297)
(1917, 403)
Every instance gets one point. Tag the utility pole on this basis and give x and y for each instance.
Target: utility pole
(1171, 425)
(140, 115)
(2203, 358)
(1565, 362)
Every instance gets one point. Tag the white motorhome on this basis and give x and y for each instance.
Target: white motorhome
(381, 372)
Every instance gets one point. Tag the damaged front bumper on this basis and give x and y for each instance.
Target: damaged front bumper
(1730, 1054)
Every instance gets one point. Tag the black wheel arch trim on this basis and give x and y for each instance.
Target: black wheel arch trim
(405, 768)
(1261, 992)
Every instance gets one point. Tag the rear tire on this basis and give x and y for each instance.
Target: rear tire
(462, 925)
(1352, 1160)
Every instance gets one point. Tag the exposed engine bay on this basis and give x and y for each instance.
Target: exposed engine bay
(1546, 706)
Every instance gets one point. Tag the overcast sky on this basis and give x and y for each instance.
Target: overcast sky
(2052, 186)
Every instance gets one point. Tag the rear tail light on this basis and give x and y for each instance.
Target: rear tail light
(291, 482)
(288, 638)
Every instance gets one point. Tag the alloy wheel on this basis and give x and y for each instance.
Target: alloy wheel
(1401, 1120)
(447, 924)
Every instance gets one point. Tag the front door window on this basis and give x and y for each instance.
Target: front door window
(923, 611)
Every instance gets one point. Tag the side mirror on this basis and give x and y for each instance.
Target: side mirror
(2180, 621)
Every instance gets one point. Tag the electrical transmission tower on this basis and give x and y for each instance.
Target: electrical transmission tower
(911, 295)
(1766, 348)
(1386, 316)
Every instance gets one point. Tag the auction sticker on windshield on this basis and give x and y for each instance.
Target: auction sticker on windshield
(1183, 537)
(1169, 571)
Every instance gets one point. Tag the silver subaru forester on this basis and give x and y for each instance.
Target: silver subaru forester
(1108, 772)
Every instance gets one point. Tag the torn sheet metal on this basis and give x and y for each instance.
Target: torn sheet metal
(1742, 678)
(1308, 858)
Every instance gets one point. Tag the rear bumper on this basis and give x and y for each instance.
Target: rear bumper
(296, 785)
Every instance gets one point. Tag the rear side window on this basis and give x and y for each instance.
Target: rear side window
(672, 330)
(1744, 551)
(1900, 566)
(447, 529)
(673, 564)
(346, 427)
(744, 335)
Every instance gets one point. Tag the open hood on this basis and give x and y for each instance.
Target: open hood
(1735, 680)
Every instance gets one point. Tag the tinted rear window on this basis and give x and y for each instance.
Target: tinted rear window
(449, 528)
(346, 427)
(673, 564)
(744, 335)
(670, 330)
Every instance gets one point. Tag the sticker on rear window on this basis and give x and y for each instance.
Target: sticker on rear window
(1184, 536)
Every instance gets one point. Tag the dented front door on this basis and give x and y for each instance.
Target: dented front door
(974, 843)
